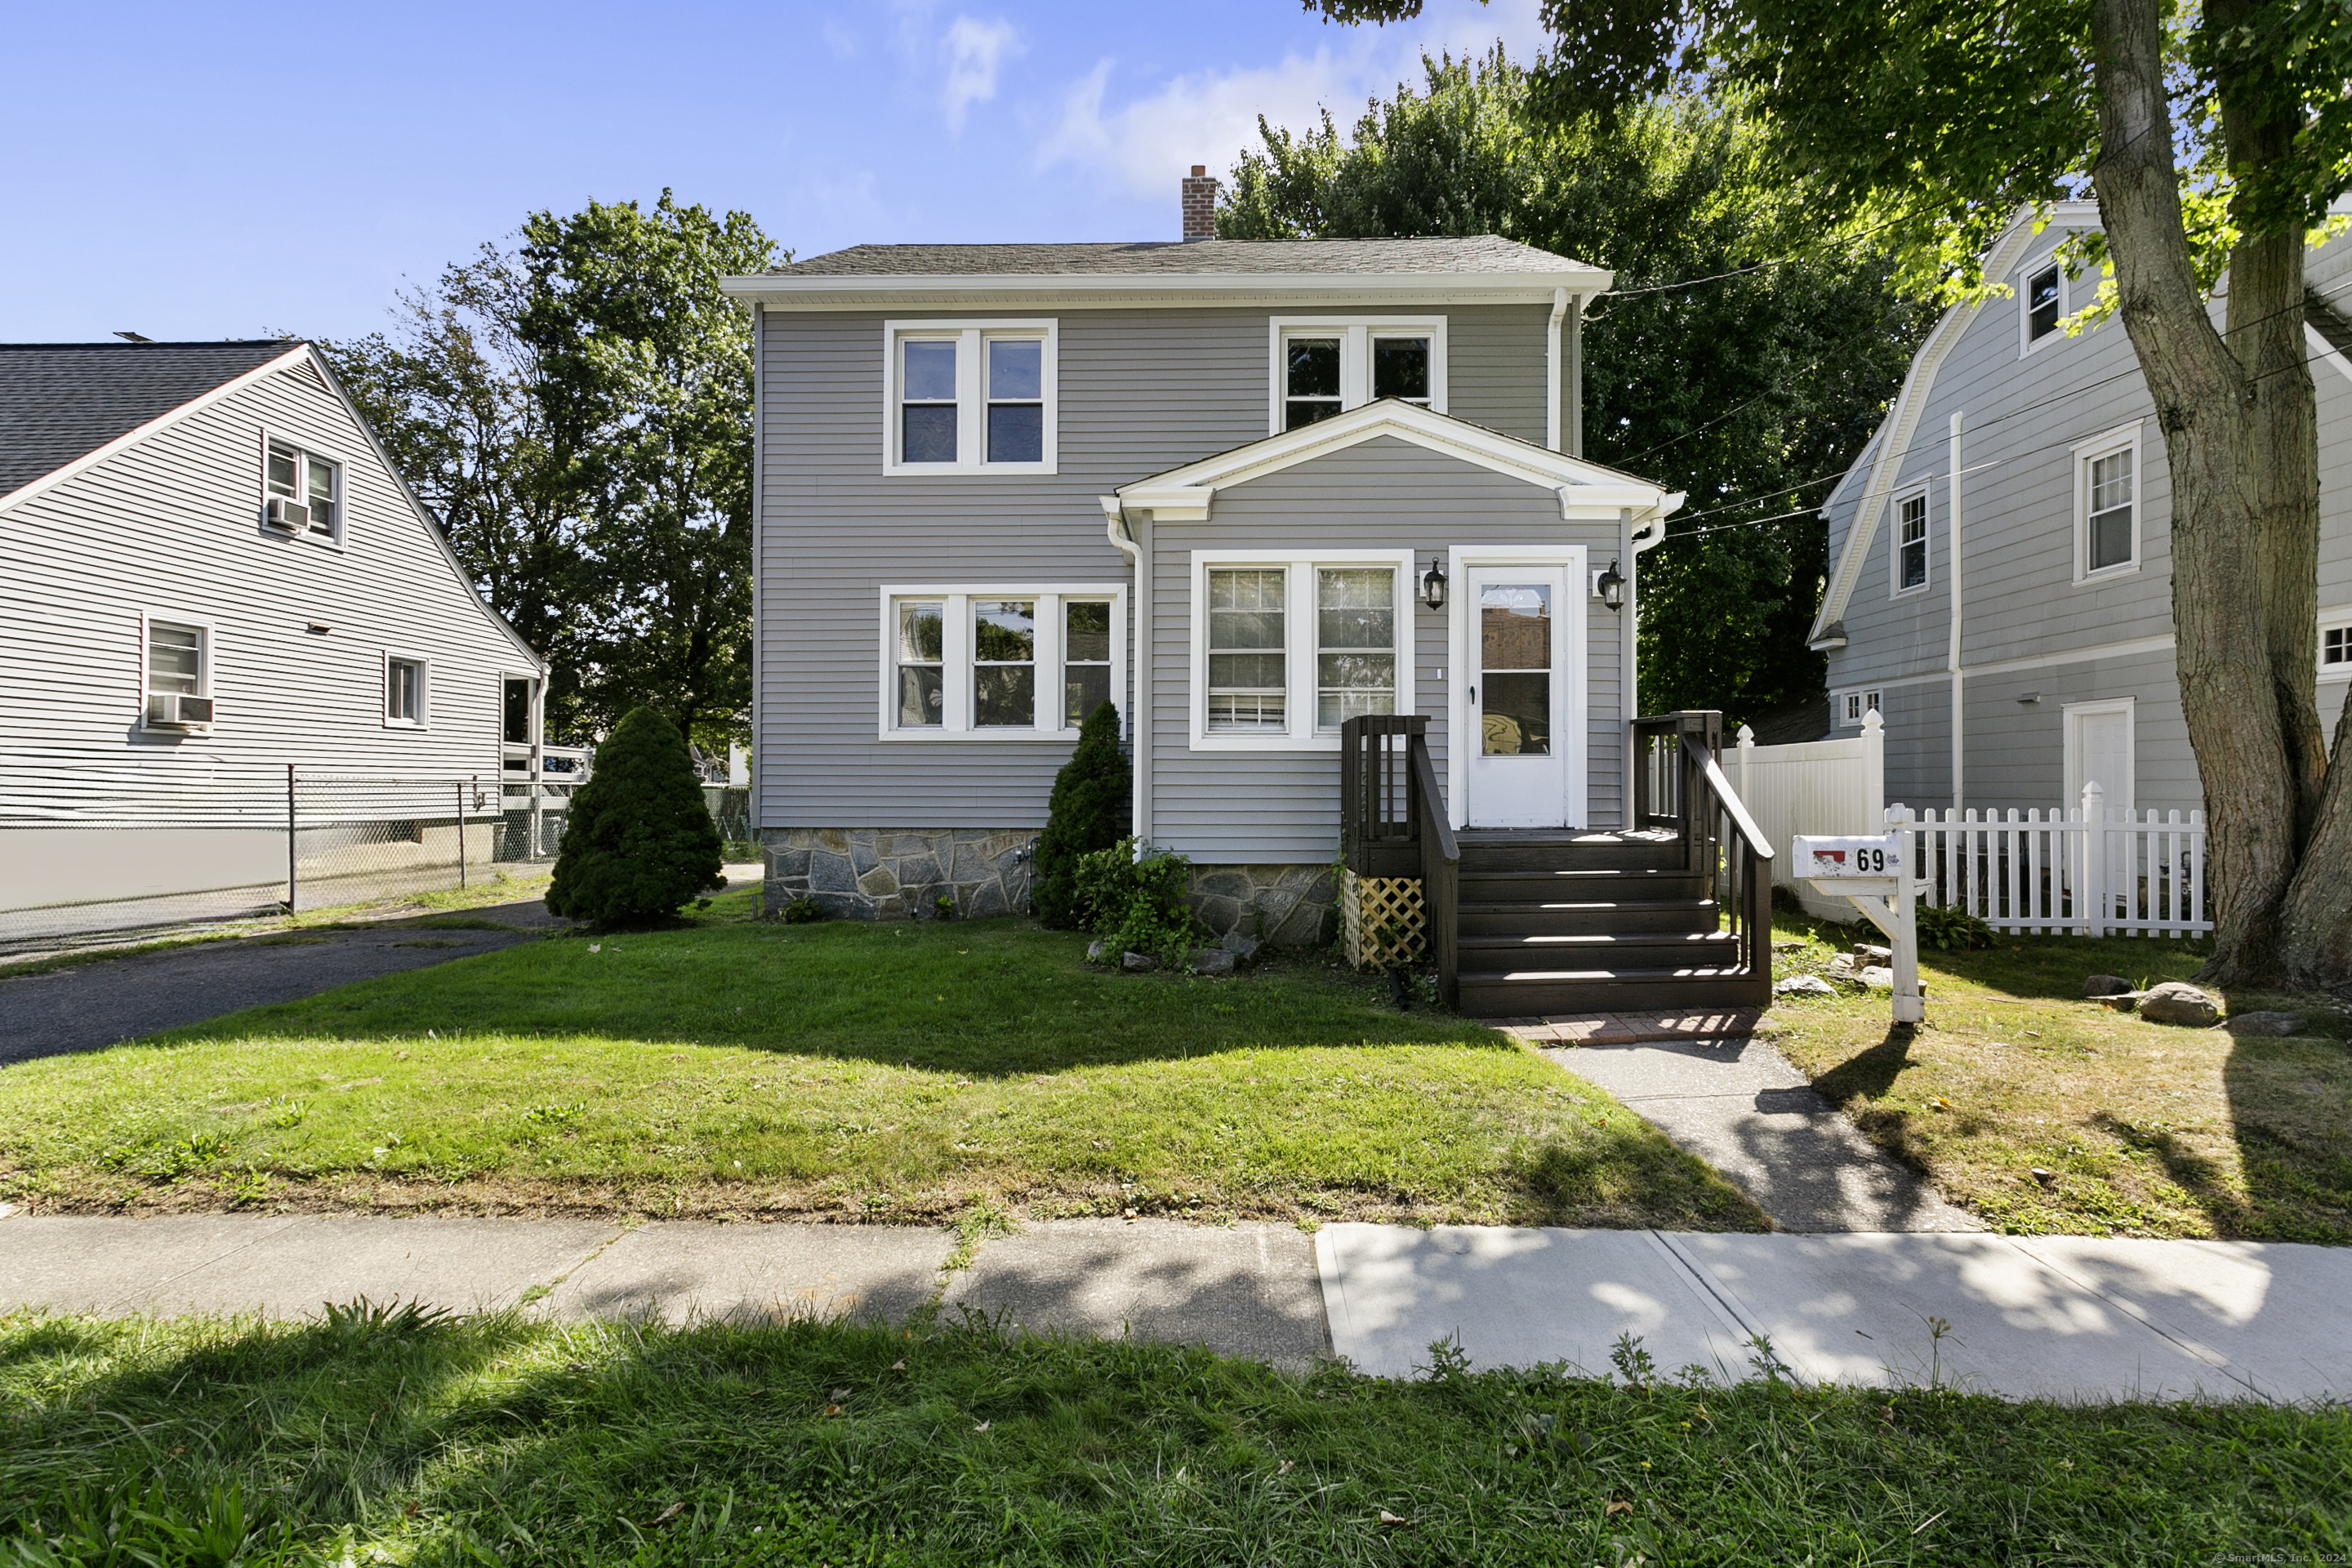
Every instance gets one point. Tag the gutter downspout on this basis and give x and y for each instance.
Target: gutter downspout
(758, 471)
(1552, 368)
(1952, 653)
(1139, 664)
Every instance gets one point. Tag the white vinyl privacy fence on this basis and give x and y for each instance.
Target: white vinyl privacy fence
(2086, 872)
(1828, 787)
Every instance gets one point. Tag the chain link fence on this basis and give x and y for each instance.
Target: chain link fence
(164, 850)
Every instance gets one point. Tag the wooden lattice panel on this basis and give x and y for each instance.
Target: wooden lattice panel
(1383, 916)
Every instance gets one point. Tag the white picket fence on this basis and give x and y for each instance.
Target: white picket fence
(2085, 871)
(1814, 786)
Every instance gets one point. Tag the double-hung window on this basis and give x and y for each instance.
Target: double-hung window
(1324, 365)
(2044, 293)
(1287, 648)
(1855, 704)
(970, 397)
(2106, 505)
(1000, 662)
(2336, 649)
(1911, 543)
(178, 675)
(302, 491)
(405, 691)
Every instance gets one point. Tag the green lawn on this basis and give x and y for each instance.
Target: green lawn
(355, 1440)
(2145, 1129)
(897, 1072)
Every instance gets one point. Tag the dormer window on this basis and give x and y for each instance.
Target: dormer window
(1323, 365)
(970, 397)
(2042, 304)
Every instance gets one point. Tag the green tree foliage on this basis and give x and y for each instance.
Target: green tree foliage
(640, 842)
(578, 411)
(1751, 393)
(1088, 812)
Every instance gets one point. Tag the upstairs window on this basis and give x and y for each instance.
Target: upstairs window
(2042, 291)
(1324, 365)
(1911, 543)
(302, 490)
(970, 397)
(2336, 650)
(2106, 510)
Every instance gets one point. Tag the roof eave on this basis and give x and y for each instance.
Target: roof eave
(853, 290)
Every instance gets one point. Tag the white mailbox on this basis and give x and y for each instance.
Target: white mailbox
(1867, 870)
(1824, 857)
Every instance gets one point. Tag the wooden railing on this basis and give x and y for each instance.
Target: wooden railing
(1679, 787)
(1392, 823)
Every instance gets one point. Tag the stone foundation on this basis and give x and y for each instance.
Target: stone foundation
(1288, 905)
(900, 873)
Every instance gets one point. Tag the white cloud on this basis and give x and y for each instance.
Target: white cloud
(973, 50)
(1209, 117)
(840, 41)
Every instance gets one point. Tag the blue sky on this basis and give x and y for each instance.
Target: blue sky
(204, 170)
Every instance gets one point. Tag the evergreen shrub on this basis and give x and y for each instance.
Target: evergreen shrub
(1088, 812)
(640, 842)
(1136, 904)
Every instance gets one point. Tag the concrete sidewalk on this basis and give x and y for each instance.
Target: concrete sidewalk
(2060, 1316)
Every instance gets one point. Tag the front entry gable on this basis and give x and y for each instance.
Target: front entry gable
(1585, 490)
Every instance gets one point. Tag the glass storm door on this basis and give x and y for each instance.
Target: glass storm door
(1516, 688)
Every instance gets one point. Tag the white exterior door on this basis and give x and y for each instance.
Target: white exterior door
(2099, 747)
(1520, 661)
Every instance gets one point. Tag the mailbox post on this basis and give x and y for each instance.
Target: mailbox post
(1868, 871)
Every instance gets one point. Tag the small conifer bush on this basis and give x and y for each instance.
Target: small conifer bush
(1088, 812)
(640, 842)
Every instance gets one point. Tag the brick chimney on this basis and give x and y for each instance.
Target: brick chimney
(1199, 204)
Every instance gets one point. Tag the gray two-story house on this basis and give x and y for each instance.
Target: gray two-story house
(2014, 625)
(1246, 491)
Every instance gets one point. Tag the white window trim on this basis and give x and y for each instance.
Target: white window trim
(971, 410)
(1894, 589)
(206, 672)
(1874, 699)
(2123, 438)
(302, 449)
(2329, 621)
(1299, 613)
(2070, 715)
(955, 657)
(423, 720)
(2027, 342)
(1355, 334)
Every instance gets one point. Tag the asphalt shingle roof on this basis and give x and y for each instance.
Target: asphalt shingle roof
(1475, 253)
(58, 401)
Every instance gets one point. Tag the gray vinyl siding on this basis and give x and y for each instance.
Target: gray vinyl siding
(2021, 418)
(170, 527)
(1140, 392)
(1232, 806)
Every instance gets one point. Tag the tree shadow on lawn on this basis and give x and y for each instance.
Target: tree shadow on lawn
(999, 996)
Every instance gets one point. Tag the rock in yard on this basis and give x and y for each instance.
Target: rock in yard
(1213, 960)
(2106, 985)
(1803, 986)
(1243, 948)
(2178, 1002)
(1138, 962)
(1878, 977)
(1841, 968)
(2278, 1024)
(1096, 949)
(1787, 944)
(1868, 953)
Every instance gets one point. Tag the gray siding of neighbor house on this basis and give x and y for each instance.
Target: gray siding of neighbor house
(2022, 418)
(1239, 807)
(171, 527)
(1141, 392)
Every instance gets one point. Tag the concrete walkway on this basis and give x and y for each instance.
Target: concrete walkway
(2063, 1317)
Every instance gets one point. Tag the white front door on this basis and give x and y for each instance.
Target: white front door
(2099, 749)
(1521, 659)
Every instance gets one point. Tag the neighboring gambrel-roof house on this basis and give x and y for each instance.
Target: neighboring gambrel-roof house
(210, 570)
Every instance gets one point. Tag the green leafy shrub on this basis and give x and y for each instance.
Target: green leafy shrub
(802, 911)
(1950, 928)
(1088, 814)
(641, 842)
(1136, 902)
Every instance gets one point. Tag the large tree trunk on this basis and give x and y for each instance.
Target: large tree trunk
(2240, 438)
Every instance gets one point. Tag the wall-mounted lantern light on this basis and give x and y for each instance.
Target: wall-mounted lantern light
(1613, 587)
(1432, 585)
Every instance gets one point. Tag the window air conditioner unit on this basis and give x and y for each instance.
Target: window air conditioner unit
(289, 516)
(177, 710)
